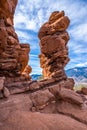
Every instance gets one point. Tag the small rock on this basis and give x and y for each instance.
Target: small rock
(2, 82)
(1, 95)
(84, 90)
(41, 98)
(34, 86)
(6, 92)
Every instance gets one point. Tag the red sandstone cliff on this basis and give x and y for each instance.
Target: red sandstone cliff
(13, 55)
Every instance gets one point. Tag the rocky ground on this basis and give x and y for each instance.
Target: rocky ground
(49, 104)
(42, 105)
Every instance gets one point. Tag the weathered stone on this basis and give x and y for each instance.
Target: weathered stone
(12, 41)
(41, 99)
(24, 120)
(2, 79)
(1, 95)
(3, 39)
(73, 110)
(13, 56)
(13, 103)
(34, 86)
(66, 95)
(27, 71)
(9, 22)
(24, 55)
(47, 44)
(84, 90)
(53, 44)
(68, 83)
(6, 92)
(60, 24)
(56, 15)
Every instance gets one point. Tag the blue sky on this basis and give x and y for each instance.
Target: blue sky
(31, 14)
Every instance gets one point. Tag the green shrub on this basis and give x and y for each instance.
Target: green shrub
(78, 87)
(41, 77)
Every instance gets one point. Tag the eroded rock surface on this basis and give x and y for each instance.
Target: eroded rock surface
(53, 43)
(21, 120)
(13, 56)
(47, 98)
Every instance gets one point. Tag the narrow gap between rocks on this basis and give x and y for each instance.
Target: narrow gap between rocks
(29, 36)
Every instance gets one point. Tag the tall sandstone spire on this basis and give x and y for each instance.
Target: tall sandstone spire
(53, 44)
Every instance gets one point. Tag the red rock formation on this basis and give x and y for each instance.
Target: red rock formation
(53, 43)
(24, 120)
(13, 56)
(47, 104)
(58, 107)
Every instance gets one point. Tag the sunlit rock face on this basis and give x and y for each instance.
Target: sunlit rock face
(13, 55)
(53, 44)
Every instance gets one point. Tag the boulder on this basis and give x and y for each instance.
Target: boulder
(41, 99)
(66, 95)
(84, 90)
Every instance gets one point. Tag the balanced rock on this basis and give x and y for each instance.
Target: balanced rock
(53, 44)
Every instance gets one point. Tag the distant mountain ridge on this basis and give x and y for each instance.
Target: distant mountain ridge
(78, 73)
(35, 76)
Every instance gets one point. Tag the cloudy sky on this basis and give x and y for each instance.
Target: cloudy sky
(31, 14)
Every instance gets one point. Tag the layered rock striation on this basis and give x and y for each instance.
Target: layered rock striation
(53, 43)
(13, 56)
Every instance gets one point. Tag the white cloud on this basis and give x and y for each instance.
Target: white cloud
(77, 48)
(24, 35)
(32, 14)
(79, 32)
(31, 25)
(81, 64)
(74, 63)
(19, 18)
(22, 21)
